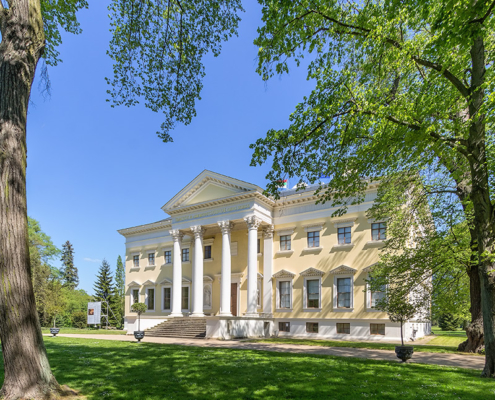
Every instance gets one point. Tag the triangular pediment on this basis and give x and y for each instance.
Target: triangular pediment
(312, 272)
(134, 283)
(209, 186)
(283, 273)
(343, 269)
(369, 267)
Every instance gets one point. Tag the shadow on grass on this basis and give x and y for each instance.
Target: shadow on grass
(126, 370)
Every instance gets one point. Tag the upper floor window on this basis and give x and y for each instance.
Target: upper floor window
(313, 239)
(344, 292)
(207, 252)
(379, 231)
(185, 255)
(168, 256)
(151, 258)
(136, 261)
(344, 235)
(285, 242)
(258, 246)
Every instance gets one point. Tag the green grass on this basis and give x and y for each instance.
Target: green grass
(103, 369)
(361, 345)
(447, 338)
(86, 331)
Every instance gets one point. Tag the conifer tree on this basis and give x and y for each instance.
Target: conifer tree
(120, 289)
(70, 276)
(104, 287)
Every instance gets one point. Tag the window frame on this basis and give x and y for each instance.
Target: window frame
(379, 229)
(285, 324)
(184, 251)
(147, 297)
(285, 243)
(167, 257)
(205, 253)
(344, 234)
(335, 293)
(153, 255)
(135, 260)
(188, 286)
(314, 235)
(369, 294)
(132, 295)
(378, 330)
(259, 297)
(163, 297)
(341, 324)
(313, 324)
(278, 294)
(305, 293)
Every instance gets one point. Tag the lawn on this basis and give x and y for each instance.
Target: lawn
(447, 338)
(86, 331)
(126, 370)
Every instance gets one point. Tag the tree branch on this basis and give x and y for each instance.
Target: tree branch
(484, 17)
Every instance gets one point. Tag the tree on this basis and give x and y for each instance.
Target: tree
(139, 308)
(69, 270)
(448, 322)
(397, 86)
(120, 290)
(157, 48)
(400, 309)
(104, 287)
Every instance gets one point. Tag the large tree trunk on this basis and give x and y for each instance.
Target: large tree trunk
(27, 371)
(484, 219)
(475, 342)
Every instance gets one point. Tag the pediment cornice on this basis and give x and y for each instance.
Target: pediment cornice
(312, 272)
(154, 226)
(283, 273)
(343, 269)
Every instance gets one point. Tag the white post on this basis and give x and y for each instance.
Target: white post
(177, 274)
(197, 273)
(268, 269)
(226, 227)
(252, 280)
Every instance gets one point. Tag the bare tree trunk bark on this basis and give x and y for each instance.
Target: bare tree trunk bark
(27, 371)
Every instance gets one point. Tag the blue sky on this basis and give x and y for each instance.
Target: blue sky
(93, 169)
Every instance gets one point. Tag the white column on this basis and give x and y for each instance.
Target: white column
(177, 274)
(268, 269)
(197, 272)
(252, 279)
(225, 282)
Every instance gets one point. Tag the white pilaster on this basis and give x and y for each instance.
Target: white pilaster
(253, 223)
(197, 272)
(176, 274)
(268, 269)
(225, 282)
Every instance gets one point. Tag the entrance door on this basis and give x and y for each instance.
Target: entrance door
(233, 299)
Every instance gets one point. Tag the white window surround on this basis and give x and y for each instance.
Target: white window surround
(286, 252)
(147, 297)
(137, 253)
(310, 249)
(132, 295)
(285, 231)
(259, 295)
(335, 308)
(314, 227)
(208, 242)
(368, 298)
(167, 285)
(344, 223)
(277, 298)
(343, 246)
(186, 283)
(305, 294)
(377, 221)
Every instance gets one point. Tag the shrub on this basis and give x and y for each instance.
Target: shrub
(447, 322)
(79, 319)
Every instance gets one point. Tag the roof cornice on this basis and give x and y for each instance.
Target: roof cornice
(155, 226)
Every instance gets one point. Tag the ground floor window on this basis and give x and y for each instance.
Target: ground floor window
(377, 329)
(284, 326)
(167, 298)
(185, 298)
(312, 327)
(343, 328)
(150, 299)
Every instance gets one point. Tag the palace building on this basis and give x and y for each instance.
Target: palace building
(251, 266)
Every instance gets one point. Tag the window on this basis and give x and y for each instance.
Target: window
(185, 255)
(284, 326)
(284, 289)
(258, 246)
(344, 293)
(344, 235)
(167, 298)
(313, 293)
(313, 239)
(285, 242)
(344, 328)
(259, 293)
(376, 296)
(312, 327)
(377, 329)
(207, 252)
(185, 297)
(168, 256)
(135, 296)
(151, 258)
(136, 261)
(379, 231)
(150, 298)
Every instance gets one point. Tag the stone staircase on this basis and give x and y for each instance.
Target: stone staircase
(187, 327)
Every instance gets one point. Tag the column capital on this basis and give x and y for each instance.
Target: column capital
(253, 221)
(198, 231)
(225, 226)
(176, 234)
(268, 231)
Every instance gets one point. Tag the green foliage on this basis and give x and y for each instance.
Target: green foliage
(79, 319)
(40, 244)
(157, 48)
(105, 290)
(139, 308)
(120, 291)
(448, 322)
(69, 270)
(55, 301)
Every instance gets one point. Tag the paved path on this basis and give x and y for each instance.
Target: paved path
(448, 360)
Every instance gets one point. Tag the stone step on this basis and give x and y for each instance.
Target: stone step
(191, 328)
